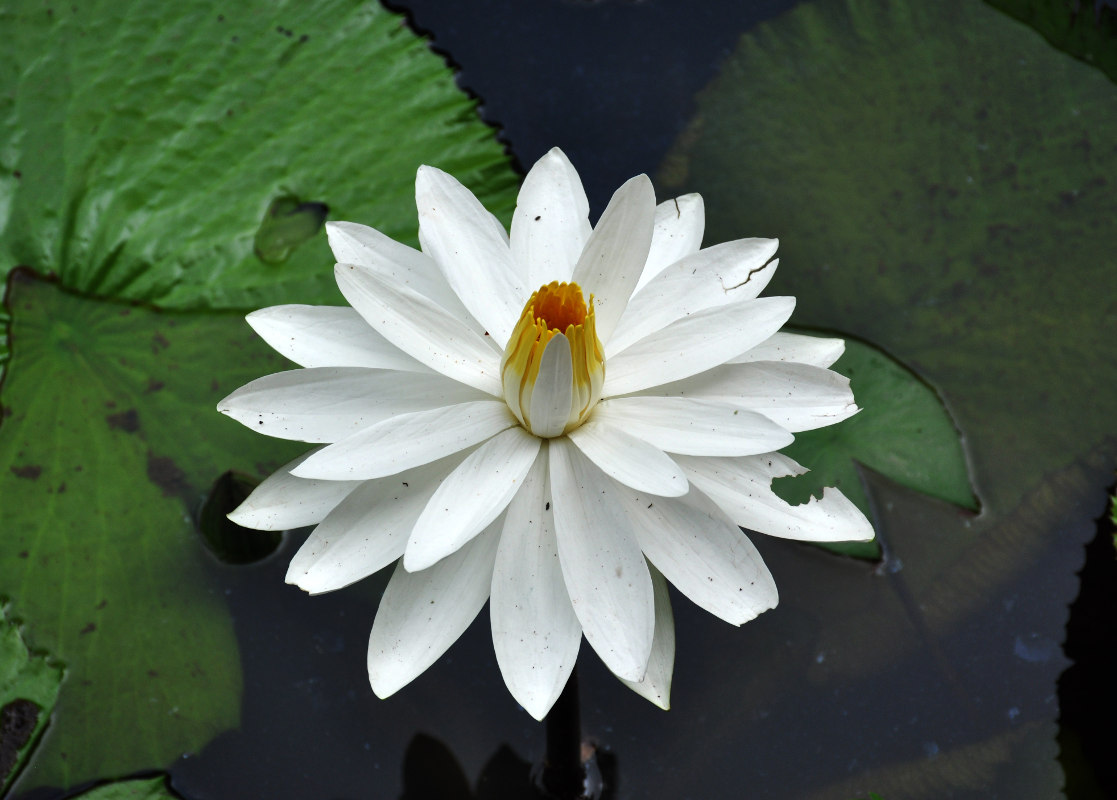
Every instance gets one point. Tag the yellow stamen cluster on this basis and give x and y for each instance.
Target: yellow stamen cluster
(557, 308)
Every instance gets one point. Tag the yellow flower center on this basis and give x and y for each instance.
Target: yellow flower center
(568, 383)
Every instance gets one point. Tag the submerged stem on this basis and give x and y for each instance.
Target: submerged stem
(563, 775)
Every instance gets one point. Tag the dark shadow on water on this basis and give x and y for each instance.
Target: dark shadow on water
(1087, 691)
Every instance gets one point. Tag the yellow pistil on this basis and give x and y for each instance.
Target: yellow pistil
(557, 308)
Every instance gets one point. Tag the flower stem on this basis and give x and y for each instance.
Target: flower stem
(563, 775)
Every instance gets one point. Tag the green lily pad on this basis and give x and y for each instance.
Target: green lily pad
(135, 789)
(947, 196)
(902, 431)
(143, 146)
(110, 439)
(28, 690)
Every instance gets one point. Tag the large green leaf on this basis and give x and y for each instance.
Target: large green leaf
(28, 690)
(143, 144)
(942, 184)
(109, 439)
(902, 431)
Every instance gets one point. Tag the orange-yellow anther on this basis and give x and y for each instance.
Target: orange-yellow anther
(557, 308)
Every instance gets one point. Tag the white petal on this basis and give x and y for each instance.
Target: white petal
(794, 347)
(616, 251)
(283, 502)
(535, 631)
(604, 570)
(422, 613)
(421, 328)
(407, 441)
(798, 397)
(327, 404)
(693, 427)
(742, 488)
(328, 336)
(551, 223)
(368, 530)
(471, 497)
(552, 393)
(656, 685)
(632, 461)
(402, 265)
(679, 224)
(458, 233)
(705, 556)
(716, 276)
(696, 343)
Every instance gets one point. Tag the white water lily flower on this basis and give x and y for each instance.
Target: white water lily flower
(559, 421)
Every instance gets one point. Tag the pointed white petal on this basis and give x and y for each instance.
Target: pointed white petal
(422, 613)
(794, 347)
(551, 223)
(471, 497)
(726, 273)
(408, 440)
(798, 397)
(402, 265)
(742, 488)
(656, 685)
(679, 225)
(458, 233)
(326, 404)
(602, 566)
(421, 328)
(552, 394)
(704, 555)
(283, 502)
(696, 343)
(368, 530)
(693, 427)
(630, 460)
(535, 631)
(328, 336)
(616, 251)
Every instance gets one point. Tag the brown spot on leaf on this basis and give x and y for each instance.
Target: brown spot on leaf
(165, 473)
(89, 628)
(154, 386)
(29, 472)
(127, 421)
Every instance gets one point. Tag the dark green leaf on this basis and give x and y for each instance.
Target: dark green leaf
(941, 181)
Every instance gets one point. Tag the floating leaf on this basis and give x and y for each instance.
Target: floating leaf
(947, 196)
(902, 431)
(110, 438)
(142, 145)
(28, 690)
